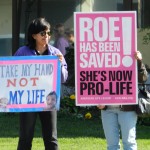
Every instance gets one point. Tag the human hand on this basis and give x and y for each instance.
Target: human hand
(101, 106)
(60, 57)
(138, 55)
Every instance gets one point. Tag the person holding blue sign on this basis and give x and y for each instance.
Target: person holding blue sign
(38, 37)
(116, 118)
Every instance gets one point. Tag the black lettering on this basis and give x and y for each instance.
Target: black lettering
(120, 75)
(127, 75)
(129, 87)
(83, 87)
(103, 74)
(120, 88)
(112, 76)
(91, 87)
(99, 88)
(82, 74)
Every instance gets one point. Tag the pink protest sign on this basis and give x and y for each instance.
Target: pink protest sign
(106, 71)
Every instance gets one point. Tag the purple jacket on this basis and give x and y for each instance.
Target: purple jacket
(26, 51)
(62, 43)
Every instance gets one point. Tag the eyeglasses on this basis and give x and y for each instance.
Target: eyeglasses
(43, 33)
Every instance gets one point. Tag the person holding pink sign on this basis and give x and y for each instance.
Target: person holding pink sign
(116, 118)
(38, 38)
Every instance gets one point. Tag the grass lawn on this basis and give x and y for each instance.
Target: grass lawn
(73, 134)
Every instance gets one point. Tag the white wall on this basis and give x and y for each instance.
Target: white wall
(5, 17)
(99, 5)
(143, 48)
(5, 27)
(105, 5)
(86, 5)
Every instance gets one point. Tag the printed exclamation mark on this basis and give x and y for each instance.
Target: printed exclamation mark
(127, 60)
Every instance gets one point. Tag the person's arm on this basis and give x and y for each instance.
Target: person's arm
(64, 71)
(142, 72)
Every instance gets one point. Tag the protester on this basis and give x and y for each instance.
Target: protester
(60, 40)
(38, 38)
(116, 118)
(70, 37)
(69, 57)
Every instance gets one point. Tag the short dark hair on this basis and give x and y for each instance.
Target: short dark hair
(69, 31)
(59, 29)
(36, 26)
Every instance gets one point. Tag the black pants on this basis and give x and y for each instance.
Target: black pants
(49, 129)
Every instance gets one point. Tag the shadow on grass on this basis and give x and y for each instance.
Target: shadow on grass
(68, 126)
